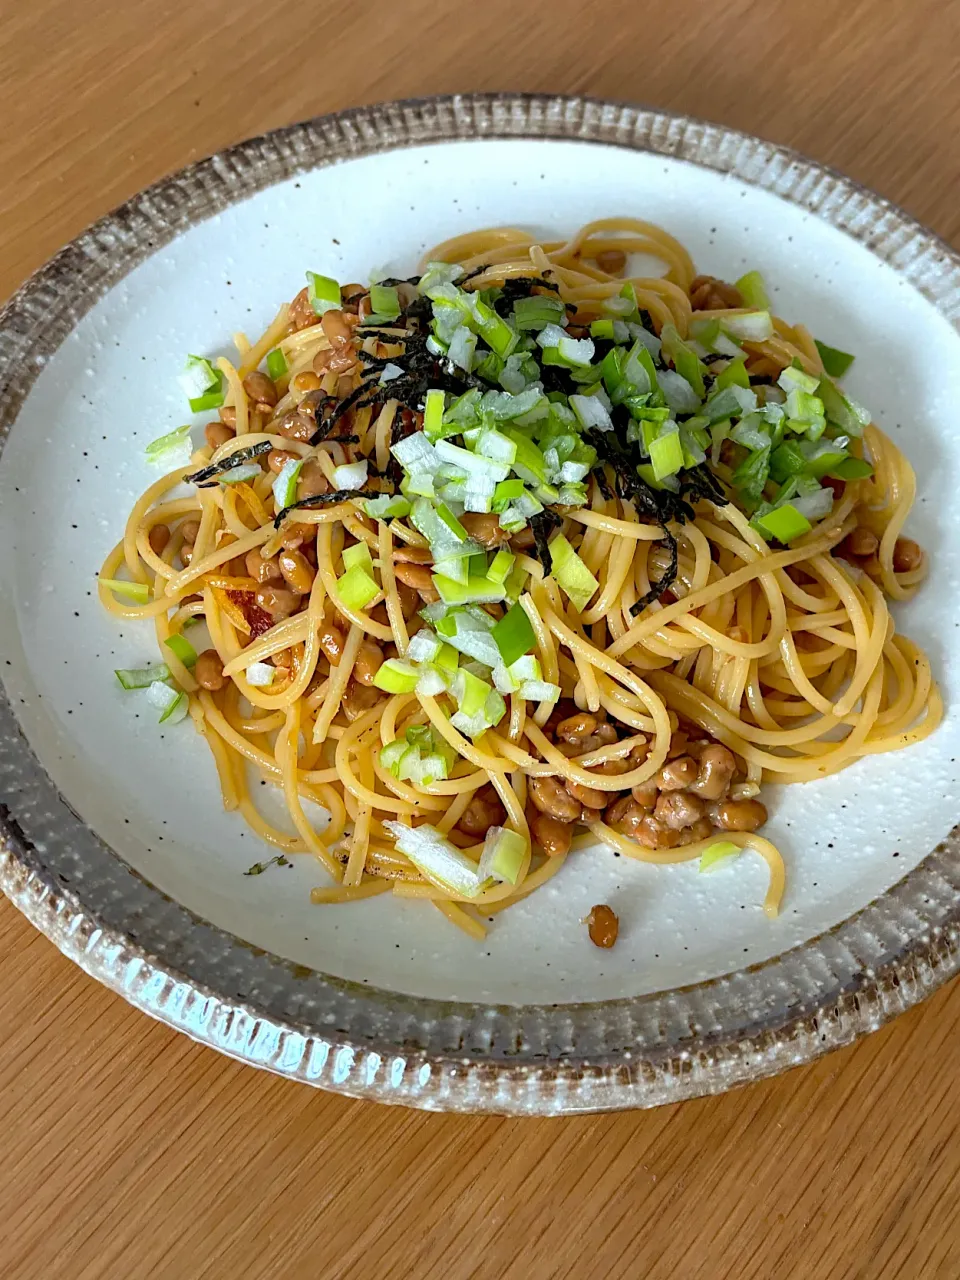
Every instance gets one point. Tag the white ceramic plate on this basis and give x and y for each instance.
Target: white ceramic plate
(73, 465)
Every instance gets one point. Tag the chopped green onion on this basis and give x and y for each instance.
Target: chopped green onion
(424, 646)
(420, 735)
(717, 852)
(784, 523)
(138, 592)
(177, 710)
(323, 292)
(529, 463)
(751, 475)
(500, 566)
(385, 300)
(261, 674)
(462, 350)
(276, 363)
(437, 858)
(788, 460)
(439, 274)
(392, 754)
(851, 469)
(513, 634)
(473, 591)
(666, 455)
(734, 375)
(470, 692)
(351, 475)
(539, 691)
(848, 415)
(753, 291)
(793, 379)
(496, 446)
(158, 449)
(142, 677)
(396, 676)
(591, 411)
(285, 485)
(182, 648)
(357, 588)
(536, 312)
(835, 362)
(526, 668)
(441, 528)
(240, 475)
(685, 360)
(709, 334)
(456, 568)
(358, 553)
(752, 326)
(387, 507)
(433, 415)
(677, 391)
(171, 702)
(503, 854)
(499, 336)
(210, 399)
(198, 376)
(571, 574)
(602, 329)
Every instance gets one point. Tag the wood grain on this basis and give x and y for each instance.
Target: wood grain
(129, 1152)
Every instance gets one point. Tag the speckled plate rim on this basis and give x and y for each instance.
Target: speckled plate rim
(364, 1042)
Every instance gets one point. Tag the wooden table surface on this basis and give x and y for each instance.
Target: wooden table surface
(128, 1151)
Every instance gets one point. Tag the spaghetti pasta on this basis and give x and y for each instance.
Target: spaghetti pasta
(640, 570)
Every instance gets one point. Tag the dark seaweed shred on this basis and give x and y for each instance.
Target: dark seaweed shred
(603, 484)
(421, 369)
(237, 459)
(419, 309)
(322, 499)
(660, 505)
(702, 483)
(542, 524)
(472, 274)
(391, 282)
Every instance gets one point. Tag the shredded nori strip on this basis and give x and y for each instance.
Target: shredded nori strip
(227, 464)
(326, 424)
(702, 483)
(321, 500)
(541, 524)
(419, 308)
(422, 370)
(659, 504)
(663, 583)
(391, 282)
(472, 274)
(603, 484)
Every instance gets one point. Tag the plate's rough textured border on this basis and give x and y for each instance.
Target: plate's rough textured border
(377, 1044)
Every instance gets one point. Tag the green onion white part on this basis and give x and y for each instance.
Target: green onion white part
(173, 443)
(243, 474)
(170, 702)
(261, 674)
(437, 858)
